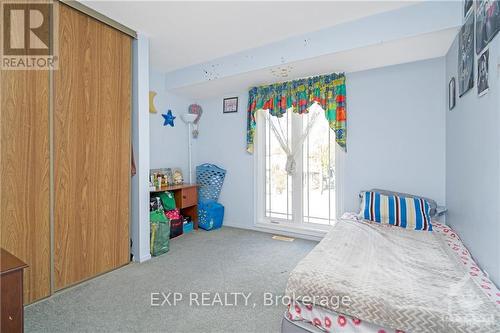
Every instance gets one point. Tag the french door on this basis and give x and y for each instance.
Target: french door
(309, 197)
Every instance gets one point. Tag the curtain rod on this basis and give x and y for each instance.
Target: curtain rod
(339, 76)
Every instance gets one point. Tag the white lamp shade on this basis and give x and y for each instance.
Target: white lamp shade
(189, 118)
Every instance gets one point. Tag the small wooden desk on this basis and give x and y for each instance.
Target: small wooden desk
(186, 199)
(11, 280)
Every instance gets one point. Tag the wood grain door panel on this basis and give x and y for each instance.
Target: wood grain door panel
(25, 175)
(92, 105)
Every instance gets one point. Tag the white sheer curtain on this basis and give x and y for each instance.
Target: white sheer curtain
(291, 148)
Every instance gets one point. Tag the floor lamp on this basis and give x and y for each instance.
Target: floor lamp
(189, 119)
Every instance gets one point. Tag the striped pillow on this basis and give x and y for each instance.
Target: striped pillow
(405, 212)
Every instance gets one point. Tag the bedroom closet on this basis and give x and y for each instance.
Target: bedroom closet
(65, 157)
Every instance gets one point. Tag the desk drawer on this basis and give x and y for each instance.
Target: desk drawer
(189, 197)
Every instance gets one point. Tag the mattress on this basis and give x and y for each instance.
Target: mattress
(313, 318)
(288, 326)
(397, 280)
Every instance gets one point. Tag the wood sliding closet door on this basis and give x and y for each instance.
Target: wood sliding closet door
(92, 103)
(25, 175)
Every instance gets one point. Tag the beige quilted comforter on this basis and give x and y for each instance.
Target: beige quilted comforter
(396, 278)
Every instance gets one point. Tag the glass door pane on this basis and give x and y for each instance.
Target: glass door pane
(278, 183)
(318, 197)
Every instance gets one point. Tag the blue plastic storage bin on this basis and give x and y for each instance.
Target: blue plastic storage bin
(210, 214)
(187, 227)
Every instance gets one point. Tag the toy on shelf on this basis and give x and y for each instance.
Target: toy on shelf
(178, 178)
(170, 176)
(161, 178)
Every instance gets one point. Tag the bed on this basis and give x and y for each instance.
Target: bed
(367, 277)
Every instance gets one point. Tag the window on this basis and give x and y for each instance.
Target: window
(310, 197)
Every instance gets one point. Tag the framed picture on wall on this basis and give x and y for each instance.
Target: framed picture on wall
(466, 56)
(467, 7)
(482, 73)
(451, 94)
(230, 105)
(487, 23)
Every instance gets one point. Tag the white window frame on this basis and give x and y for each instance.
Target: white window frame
(297, 225)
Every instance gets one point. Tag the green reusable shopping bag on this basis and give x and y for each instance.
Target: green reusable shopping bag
(159, 232)
(167, 200)
(157, 216)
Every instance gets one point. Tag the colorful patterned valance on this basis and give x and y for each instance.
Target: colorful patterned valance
(326, 90)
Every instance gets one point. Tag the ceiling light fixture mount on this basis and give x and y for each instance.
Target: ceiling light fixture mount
(281, 71)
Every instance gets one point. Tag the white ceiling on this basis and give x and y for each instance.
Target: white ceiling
(425, 46)
(188, 33)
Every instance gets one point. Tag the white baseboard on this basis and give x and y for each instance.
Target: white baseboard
(239, 225)
(143, 258)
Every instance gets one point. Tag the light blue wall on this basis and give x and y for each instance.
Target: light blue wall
(473, 165)
(222, 141)
(168, 145)
(396, 136)
(396, 139)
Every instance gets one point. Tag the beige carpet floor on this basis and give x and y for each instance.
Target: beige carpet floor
(220, 262)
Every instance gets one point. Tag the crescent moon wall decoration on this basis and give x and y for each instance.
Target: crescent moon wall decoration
(152, 108)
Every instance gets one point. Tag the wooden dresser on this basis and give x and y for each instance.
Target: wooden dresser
(11, 281)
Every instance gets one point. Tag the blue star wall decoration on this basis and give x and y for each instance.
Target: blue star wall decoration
(168, 118)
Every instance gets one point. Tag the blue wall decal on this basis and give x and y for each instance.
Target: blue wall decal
(168, 118)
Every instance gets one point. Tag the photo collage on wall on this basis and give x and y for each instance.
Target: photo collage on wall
(482, 73)
(468, 7)
(466, 56)
(487, 23)
(486, 14)
(487, 26)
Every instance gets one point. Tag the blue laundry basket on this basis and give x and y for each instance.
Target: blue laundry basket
(210, 178)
